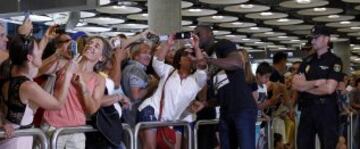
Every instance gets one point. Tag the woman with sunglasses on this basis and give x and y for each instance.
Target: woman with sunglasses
(178, 87)
(22, 95)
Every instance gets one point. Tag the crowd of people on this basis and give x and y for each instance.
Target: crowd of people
(110, 81)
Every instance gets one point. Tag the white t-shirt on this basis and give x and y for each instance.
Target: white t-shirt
(110, 87)
(178, 93)
(262, 90)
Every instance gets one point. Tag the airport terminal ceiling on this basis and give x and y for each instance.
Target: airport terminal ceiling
(256, 25)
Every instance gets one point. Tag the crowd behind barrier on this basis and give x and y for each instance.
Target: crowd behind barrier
(134, 133)
(150, 92)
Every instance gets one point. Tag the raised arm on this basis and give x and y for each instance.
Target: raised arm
(34, 93)
(233, 61)
(115, 72)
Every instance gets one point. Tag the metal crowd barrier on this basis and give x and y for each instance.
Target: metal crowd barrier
(196, 129)
(30, 132)
(350, 131)
(216, 121)
(162, 124)
(82, 129)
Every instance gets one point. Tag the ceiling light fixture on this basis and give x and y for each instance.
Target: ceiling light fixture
(355, 27)
(345, 22)
(269, 33)
(356, 48)
(230, 36)
(333, 16)
(237, 23)
(145, 15)
(320, 9)
(254, 28)
(194, 10)
(295, 40)
(245, 39)
(266, 13)
(283, 20)
(282, 37)
(217, 17)
(303, 1)
(247, 6)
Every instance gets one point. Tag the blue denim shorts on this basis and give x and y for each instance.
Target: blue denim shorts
(146, 115)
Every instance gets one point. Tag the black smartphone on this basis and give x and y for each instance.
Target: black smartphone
(183, 35)
(73, 48)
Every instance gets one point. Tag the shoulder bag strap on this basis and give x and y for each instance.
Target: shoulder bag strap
(162, 94)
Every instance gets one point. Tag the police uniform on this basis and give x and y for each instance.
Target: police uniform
(319, 114)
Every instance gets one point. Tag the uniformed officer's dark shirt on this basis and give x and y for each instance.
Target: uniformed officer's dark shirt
(327, 66)
(277, 77)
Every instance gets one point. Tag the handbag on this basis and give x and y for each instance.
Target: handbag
(165, 136)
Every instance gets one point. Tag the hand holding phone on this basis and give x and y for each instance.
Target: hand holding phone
(26, 28)
(183, 35)
(73, 48)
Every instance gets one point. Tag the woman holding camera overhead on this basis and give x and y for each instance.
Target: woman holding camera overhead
(178, 87)
(22, 95)
(85, 92)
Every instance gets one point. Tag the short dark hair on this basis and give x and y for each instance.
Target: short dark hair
(277, 138)
(123, 36)
(357, 81)
(279, 56)
(264, 68)
(204, 27)
(177, 57)
(20, 47)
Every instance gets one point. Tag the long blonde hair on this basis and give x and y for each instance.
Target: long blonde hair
(249, 76)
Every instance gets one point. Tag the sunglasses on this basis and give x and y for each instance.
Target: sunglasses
(65, 41)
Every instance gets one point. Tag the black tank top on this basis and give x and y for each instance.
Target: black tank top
(16, 108)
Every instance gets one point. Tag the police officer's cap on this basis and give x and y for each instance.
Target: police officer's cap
(320, 30)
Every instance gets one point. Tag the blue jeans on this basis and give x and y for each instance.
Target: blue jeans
(238, 129)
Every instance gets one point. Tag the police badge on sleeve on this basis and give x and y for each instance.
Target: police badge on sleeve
(337, 68)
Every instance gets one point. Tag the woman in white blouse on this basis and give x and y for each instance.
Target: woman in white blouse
(180, 89)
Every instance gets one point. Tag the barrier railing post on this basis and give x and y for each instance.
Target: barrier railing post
(68, 130)
(82, 129)
(162, 124)
(131, 134)
(350, 131)
(196, 129)
(30, 132)
(269, 134)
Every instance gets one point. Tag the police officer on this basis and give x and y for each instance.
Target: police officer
(316, 82)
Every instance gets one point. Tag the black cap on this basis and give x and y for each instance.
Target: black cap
(320, 30)
(223, 47)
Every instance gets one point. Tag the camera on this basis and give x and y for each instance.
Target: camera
(58, 29)
(152, 37)
(183, 35)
